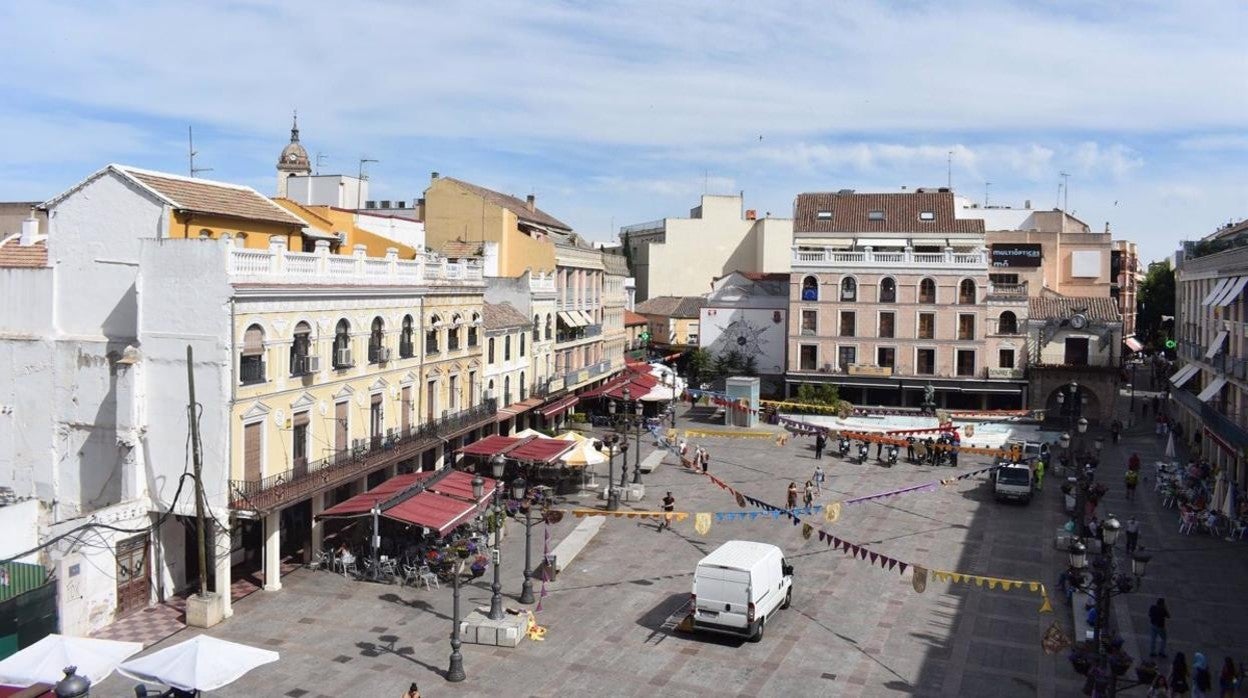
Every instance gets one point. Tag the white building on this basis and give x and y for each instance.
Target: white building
(682, 256)
(508, 347)
(747, 313)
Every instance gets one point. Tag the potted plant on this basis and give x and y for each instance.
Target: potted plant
(1120, 662)
(462, 551)
(1146, 672)
(477, 568)
(1082, 656)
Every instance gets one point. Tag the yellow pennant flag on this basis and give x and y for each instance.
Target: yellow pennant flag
(807, 529)
(1045, 607)
(832, 512)
(992, 583)
(702, 523)
(1035, 586)
(681, 516)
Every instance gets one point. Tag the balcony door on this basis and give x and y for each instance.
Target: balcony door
(342, 430)
(431, 400)
(376, 422)
(405, 409)
(1076, 351)
(299, 443)
(253, 452)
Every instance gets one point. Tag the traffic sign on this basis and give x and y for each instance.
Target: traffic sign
(1170, 344)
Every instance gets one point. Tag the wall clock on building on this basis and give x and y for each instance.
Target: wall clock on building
(1078, 321)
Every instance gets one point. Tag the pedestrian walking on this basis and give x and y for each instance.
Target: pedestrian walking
(1144, 407)
(1157, 404)
(1133, 534)
(1133, 463)
(1228, 679)
(669, 505)
(1115, 429)
(1157, 615)
(819, 479)
(791, 497)
(697, 457)
(808, 495)
(1132, 478)
(683, 449)
(1179, 678)
(821, 442)
(1039, 471)
(1202, 680)
(1160, 688)
(412, 691)
(705, 461)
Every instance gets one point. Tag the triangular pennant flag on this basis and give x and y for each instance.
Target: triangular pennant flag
(775, 514)
(979, 581)
(702, 523)
(1045, 606)
(832, 512)
(901, 567)
(992, 583)
(874, 556)
(1035, 586)
(740, 500)
(719, 516)
(796, 520)
(753, 515)
(862, 553)
(806, 531)
(891, 563)
(822, 536)
(919, 579)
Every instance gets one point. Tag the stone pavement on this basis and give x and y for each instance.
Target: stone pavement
(853, 629)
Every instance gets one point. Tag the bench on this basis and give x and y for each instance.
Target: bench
(571, 546)
(651, 462)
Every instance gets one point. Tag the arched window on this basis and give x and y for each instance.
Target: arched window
(489, 390)
(927, 291)
(966, 292)
(342, 345)
(301, 350)
(1007, 323)
(849, 289)
(406, 348)
(550, 326)
(452, 332)
(537, 328)
(251, 361)
(506, 390)
(472, 330)
(522, 344)
(489, 350)
(205, 234)
(431, 334)
(810, 289)
(377, 342)
(524, 388)
(507, 348)
(888, 290)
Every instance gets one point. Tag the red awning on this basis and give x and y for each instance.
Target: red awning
(539, 450)
(558, 406)
(600, 390)
(362, 504)
(459, 484)
(1133, 344)
(637, 386)
(490, 446)
(518, 408)
(435, 511)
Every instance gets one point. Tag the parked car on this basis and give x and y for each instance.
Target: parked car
(739, 587)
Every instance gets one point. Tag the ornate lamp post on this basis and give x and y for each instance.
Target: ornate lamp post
(637, 449)
(675, 397)
(455, 673)
(526, 499)
(613, 499)
(1104, 582)
(73, 685)
(498, 464)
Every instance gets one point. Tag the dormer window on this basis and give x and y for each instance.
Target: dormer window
(875, 215)
(927, 215)
(823, 215)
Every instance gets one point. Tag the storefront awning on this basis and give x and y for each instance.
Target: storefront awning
(1133, 344)
(1183, 375)
(542, 451)
(436, 511)
(1232, 292)
(362, 504)
(1218, 288)
(877, 243)
(490, 446)
(1216, 347)
(585, 317)
(824, 242)
(571, 320)
(558, 406)
(1212, 389)
(518, 408)
(966, 242)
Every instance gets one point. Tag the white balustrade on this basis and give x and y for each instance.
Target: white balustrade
(827, 257)
(277, 265)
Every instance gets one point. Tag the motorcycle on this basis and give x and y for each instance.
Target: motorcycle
(890, 455)
(863, 449)
(842, 447)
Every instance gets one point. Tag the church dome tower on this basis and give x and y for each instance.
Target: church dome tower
(293, 160)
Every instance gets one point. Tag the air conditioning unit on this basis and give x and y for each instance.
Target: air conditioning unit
(343, 356)
(311, 364)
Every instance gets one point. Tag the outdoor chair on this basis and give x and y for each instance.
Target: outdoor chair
(426, 575)
(1187, 522)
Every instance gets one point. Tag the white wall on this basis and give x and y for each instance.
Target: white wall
(20, 523)
(408, 232)
(751, 331)
(85, 566)
(327, 190)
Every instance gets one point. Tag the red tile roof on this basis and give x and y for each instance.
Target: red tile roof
(214, 198)
(849, 213)
(673, 306)
(458, 249)
(498, 316)
(632, 319)
(14, 255)
(1055, 306)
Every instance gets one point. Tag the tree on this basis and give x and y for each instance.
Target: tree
(750, 366)
(628, 254)
(699, 365)
(1155, 298)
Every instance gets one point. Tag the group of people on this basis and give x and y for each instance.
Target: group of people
(1198, 679)
(813, 488)
(701, 458)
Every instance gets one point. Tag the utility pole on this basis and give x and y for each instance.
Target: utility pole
(359, 183)
(987, 186)
(949, 177)
(191, 153)
(198, 463)
(320, 157)
(1065, 191)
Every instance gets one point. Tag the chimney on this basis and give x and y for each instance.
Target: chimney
(1027, 204)
(531, 202)
(30, 228)
(433, 176)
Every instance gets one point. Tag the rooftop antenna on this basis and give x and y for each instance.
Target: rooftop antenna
(191, 153)
(949, 178)
(320, 157)
(987, 186)
(359, 182)
(1065, 190)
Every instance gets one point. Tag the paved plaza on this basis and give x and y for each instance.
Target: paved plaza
(854, 629)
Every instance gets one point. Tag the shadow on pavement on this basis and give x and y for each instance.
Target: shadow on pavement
(414, 604)
(387, 646)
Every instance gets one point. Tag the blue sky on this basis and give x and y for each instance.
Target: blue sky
(621, 112)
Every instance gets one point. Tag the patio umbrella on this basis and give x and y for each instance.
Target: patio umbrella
(44, 661)
(1219, 492)
(1170, 447)
(1228, 501)
(200, 664)
(527, 432)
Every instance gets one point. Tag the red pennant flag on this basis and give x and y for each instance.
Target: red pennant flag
(891, 563)
(822, 535)
(862, 553)
(853, 549)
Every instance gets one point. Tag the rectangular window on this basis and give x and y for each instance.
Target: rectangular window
(876, 215)
(966, 362)
(927, 215)
(1005, 358)
(966, 327)
(925, 362)
(847, 323)
(253, 451)
(823, 215)
(887, 325)
(885, 356)
(454, 392)
(299, 441)
(810, 323)
(927, 325)
(809, 354)
(507, 348)
(1076, 351)
(846, 356)
(1003, 278)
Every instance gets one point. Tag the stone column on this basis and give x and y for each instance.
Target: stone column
(273, 551)
(222, 545)
(318, 527)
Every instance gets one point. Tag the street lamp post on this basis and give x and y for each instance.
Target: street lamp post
(455, 673)
(637, 446)
(675, 398)
(1104, 583)
(499, 468)
(520, 493)
(613, 499)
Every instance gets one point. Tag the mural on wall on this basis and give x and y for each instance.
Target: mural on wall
(754, 333)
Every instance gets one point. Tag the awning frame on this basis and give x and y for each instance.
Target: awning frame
(1215, 386)
(1232, 292)
(1218, 288)
(1184, 375)
(1216, 345)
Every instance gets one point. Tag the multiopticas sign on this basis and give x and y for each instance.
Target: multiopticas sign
(1016, 255)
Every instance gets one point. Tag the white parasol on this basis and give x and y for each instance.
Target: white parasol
(45, 661)
(1170, 447)
(200, 664)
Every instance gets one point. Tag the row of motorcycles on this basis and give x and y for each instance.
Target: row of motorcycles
(917, 451)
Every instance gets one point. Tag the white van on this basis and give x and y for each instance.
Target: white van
(1012, 481)
(739, 586)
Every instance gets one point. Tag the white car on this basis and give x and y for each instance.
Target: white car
(739, 587)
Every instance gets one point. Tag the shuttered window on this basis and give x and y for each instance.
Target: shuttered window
(341, 433)
(253, 341)
(253, 452)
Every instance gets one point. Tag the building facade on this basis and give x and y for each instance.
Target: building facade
(747, 314)
(673, 323)
(682, 256)
(1209, 392)
(508, 359)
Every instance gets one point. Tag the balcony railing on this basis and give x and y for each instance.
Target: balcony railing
(1003, 290)
(278, 265)
(827, 257)
(251, 371)
(539, 283)
(366, 456)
